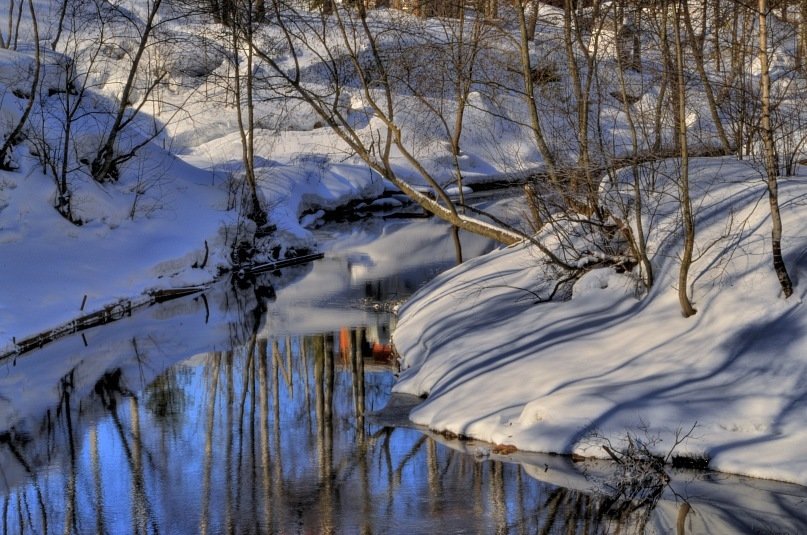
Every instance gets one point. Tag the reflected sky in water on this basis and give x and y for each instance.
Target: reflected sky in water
(270, 437)
(242, 411)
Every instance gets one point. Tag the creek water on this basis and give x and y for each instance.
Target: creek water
(256, 409)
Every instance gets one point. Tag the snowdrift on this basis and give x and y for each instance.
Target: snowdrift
(565, 376)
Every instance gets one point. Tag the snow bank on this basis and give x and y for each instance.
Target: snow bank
(164, 223)
(180, 217)
(561, 376)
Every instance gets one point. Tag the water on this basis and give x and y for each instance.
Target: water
(240, 411)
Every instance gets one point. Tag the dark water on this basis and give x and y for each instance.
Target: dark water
(239, 411)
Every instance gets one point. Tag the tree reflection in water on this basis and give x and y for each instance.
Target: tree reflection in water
(260, 433)
(271, 437)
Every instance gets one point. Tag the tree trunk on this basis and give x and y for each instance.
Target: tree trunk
(529, 92)
(455, 237)
(683, 186)
(60, 25)
(105, 163)
(637, 242)
(717, 25)
(697, 52)
(581, 97)
(246, 121)
(801, 52)
(769, 154)
(12, 137)
(667, 79)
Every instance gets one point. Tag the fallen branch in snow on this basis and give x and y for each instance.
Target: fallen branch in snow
(123, 308)
(107, 314)
(640, 477)
(167, 294)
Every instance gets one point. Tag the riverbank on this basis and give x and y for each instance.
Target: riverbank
(607, 361)
(173, 216)
(182, 238)
(728, 385)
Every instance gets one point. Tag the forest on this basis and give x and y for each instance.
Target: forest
(572, 91)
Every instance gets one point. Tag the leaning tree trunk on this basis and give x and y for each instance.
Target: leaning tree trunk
(105, 163)
(801, 52)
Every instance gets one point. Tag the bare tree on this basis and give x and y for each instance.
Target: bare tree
(346, 40)
(697, 43)
(14, 20)
(683, 185)
(526, 13)
(55, 154)
(636, 240)
(582, 78)
(13, 136)
(801, 51)
(104, 165)
(451, 58)
(60, 24)
(769, 153)
(739, 94)
(63, 118)
(243, 21)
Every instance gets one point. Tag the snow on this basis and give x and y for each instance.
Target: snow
(496, 362)
(559, 376)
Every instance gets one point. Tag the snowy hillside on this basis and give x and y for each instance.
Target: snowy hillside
(564, 377)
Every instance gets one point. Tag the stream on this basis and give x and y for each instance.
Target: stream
(258, 409)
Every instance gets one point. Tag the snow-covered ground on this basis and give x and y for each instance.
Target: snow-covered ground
(566, 376)
(173, 216)
(556, 376)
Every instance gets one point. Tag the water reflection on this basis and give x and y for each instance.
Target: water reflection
(270, 436)
(274, 437)
(242, 411)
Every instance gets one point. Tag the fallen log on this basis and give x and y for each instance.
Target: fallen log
(123, 308)
(107, 314)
